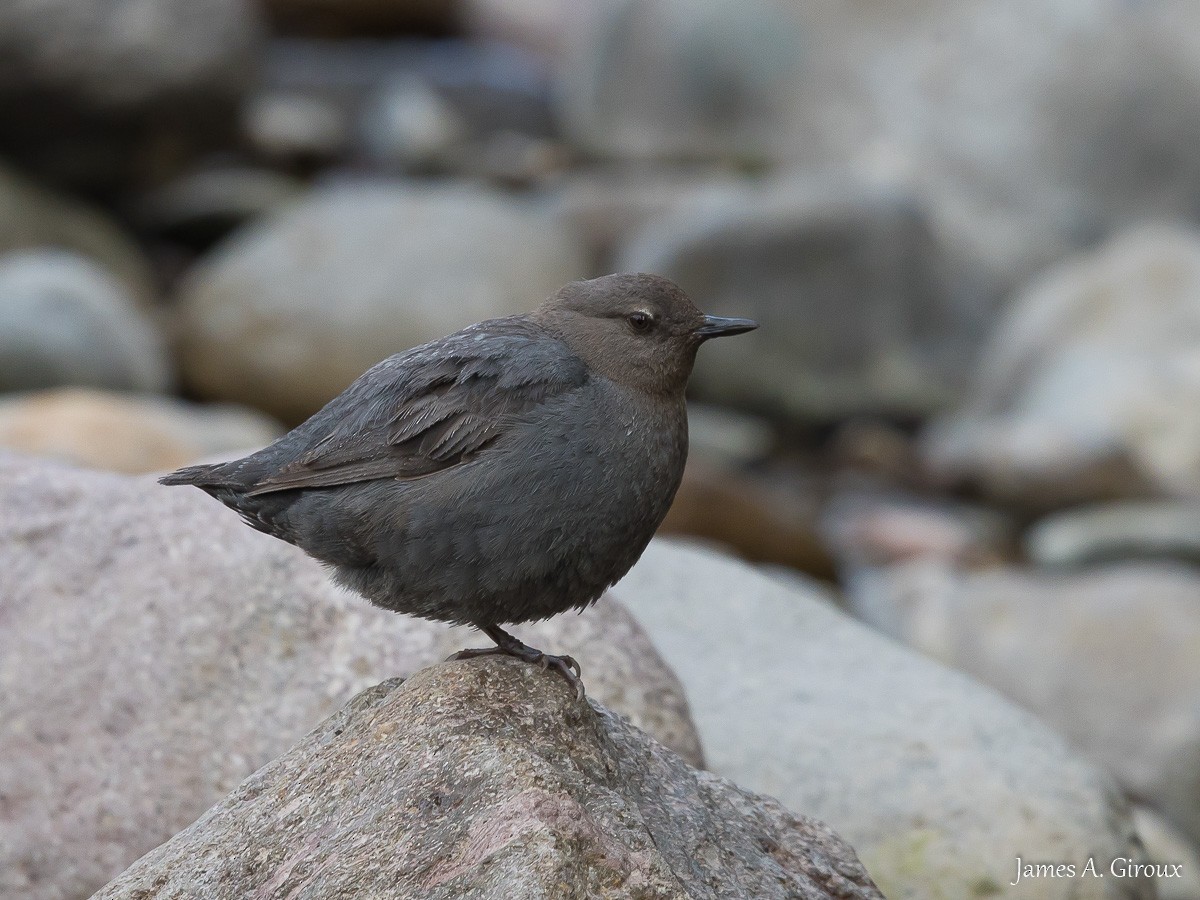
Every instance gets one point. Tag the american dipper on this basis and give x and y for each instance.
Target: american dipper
(508, 472)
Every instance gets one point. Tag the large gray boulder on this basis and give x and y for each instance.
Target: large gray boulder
(864, 309)
(489, 780)
(84, 46)
(1089, 387)
(939, 783)
(95, 91)
(293, 308)
(155, 651)
(1108, 657)
(65, 320)
(32, 217)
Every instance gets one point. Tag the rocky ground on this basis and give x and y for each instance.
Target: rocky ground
(187, 653)
(959, 461)
(487, 779)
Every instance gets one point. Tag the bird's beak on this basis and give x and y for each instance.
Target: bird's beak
(719, 326)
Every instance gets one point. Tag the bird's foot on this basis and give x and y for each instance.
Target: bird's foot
(508, 645)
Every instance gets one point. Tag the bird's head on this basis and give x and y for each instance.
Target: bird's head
(639, 330)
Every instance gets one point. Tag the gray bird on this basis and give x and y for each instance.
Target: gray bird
(506, 473)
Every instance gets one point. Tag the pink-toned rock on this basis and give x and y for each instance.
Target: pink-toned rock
(127, 432)
(488, 780)
(154, 651)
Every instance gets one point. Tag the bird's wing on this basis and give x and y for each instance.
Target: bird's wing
(428, 409)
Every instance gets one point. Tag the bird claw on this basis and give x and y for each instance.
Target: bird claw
(566, 666)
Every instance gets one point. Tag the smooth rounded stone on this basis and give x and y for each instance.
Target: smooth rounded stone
(155, 652)
(676, 79)
(293, 308)
(857, 301)
(1089, 387)
(1108, 658)
(85, 45)
(64, 320)
(410, 127)
(1161, 530)
(487, 780)
(33, 217)
(127, 432)
(1177, 858)
(290, 126)
(937, 782)
(93, 92)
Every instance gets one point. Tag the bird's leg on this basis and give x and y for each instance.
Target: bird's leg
(510, 646)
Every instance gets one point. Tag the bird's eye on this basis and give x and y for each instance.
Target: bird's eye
(640, 322)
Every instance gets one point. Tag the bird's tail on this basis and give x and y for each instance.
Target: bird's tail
(227, 482)
(203, 476)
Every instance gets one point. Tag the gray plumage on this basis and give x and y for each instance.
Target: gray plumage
(505, 473)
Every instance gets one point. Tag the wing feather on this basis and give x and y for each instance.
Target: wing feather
(428, 409)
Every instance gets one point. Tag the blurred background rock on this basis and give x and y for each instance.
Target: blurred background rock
(971, 231)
